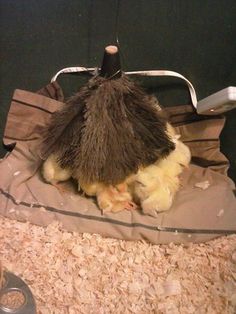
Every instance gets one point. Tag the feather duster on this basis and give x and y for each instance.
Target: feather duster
(108, 130)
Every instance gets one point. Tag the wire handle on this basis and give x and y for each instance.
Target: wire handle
(92, 71)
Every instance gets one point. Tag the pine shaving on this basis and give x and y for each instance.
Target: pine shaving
(202, 185)
(234, 256)
(12, 300)
(71, 273)
(1, 275)
(16, 173)
(220, 213)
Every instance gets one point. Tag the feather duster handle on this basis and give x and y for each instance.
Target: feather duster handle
(111, 67)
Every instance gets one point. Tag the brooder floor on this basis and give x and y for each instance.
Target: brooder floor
(83, 273)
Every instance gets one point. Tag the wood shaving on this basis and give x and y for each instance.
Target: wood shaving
(12, 300)
(220, 213)
(9, 165)
(202, 185)
(71, 273)
(172, 287)
(234, 257)
(16, 173)
(1, 275)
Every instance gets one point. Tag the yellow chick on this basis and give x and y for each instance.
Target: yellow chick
(109, 198)
(52, 172)
(153, 187)
(156, 185)
(115, 198)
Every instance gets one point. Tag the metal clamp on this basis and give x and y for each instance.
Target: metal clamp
(14, 283)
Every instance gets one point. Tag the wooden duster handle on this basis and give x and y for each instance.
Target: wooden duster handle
(111, 67)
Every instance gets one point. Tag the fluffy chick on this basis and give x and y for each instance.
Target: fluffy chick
(109, 198)
(153, 187)
(52, 172)
(156, 185)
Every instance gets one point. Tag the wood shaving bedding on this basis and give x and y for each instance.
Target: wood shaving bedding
(1, 275)
(86, 273)
(12, 300)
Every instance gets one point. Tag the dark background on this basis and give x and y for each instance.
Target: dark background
(194, 37)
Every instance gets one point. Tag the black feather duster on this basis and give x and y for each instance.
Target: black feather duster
(109, 129)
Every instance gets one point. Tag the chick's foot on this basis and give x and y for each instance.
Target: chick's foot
(61, 188)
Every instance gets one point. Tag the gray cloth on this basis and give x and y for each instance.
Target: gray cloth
(196, 215)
